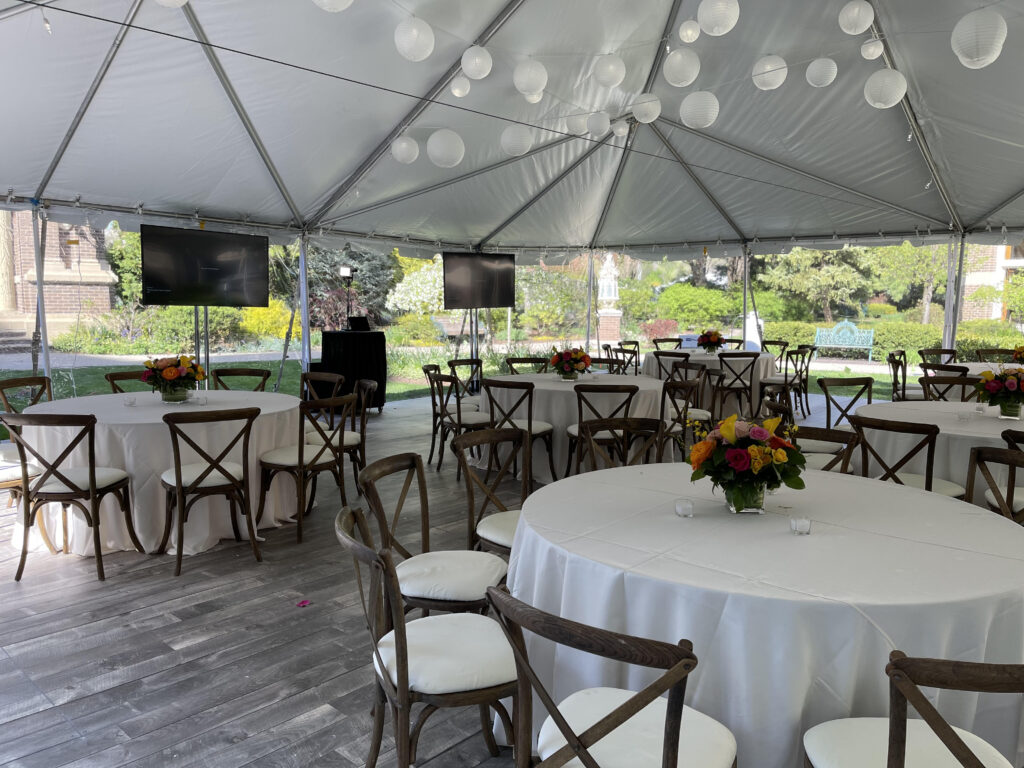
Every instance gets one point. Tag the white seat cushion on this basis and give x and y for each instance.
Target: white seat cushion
(471, 402)
(189, 472)
(289, 455)
(459, 574)
(699, 414)
(1018, 497)
(778, 378)
(105, 476)
(939, 486)
(818, 446)
(452, 652)
(348, 439)
(473, 418)
(574, 431)
(539, 427)
(9, 454)
(820, 460)
(637, 743)
(857, 742)
(10, 471)
(499, 528)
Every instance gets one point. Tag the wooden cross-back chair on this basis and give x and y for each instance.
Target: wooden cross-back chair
(45, 480)
(944, 369)
(1014, 438)
(613, 364)
(468, 371)
(430, 370)
(35, 388)
(629, 351)
(737, 344)
(666, 360)
(845, 440)
(738, 379)
(938, 355)
(667, 343)
(538, 364)
(115, 377)
(902, 389)
(950, 388)
(995, 355)
(454, 417)
(316, 385)
(492, 522)
(622, 442)
(1005, 498)
(778, 409)
(771, 345)
(926, 741)
(519, 395)
(618, 399)
(212, 475)
(679, 409)
(452, 580)
(220, 376)
(354, 438)
(864, 385)
(789, 382)
(626, 718)
(472, 667)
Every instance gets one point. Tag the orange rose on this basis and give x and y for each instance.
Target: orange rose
(701, 452)
(170, 373)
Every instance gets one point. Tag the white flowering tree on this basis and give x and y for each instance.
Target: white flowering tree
(421, 291)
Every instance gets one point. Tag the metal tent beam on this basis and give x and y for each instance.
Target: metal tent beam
(700, 184)
(115, 46)
(449, 182)
(236, 102)
(1005, 204)
(15, 10)
(364, 167)
(805, 174)
(551, 185)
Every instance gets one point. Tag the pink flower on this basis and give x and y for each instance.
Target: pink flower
(742, 429)
(715, 434)
(994, 386)
(1011, 384)
(738, 459)
(759, 433)
(566, 355)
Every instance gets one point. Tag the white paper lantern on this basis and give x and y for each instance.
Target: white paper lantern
(856, 17)
(530, 76)
(179, 3)
(769, 72)
(681, 67)
(476, 62)
(646, 108)
(405, 150)
(717, 17)
(576, 124)
(978, 38)
(885, 88)
(598, 124)
(620, 128)
(516, 140)
(689, 31)
(460, 86)
(331, 6)
(872, 49)
(821, 72)
(699, 109)
(414, 39)
(533, 98)
(445, 148)
(609, 70)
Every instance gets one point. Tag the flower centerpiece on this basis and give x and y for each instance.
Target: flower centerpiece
(173, 376)
(711, 340)
(744, 458)
(569, 363)
(1018, 354)
(1002, 389)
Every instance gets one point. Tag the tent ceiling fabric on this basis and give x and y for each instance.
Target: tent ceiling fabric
(321, 91)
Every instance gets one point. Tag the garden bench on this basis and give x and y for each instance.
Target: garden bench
(845, 335)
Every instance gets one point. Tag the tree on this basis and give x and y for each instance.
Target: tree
(694, 307)
(823, 278)
(1011, 295)
(902, 268)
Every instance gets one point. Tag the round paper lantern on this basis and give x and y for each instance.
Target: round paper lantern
(681, 67)
(576, 124)
(530, 76)
(716, 17)
(646, 108)
(598, 124)
(332, 6)
(856, 17)
(821, 72)
(609, 70)
(445, 148)
(885, 88)
(460, 86)
(872, 49)
(179, 3)
(414, 39)
(699, 109)
(769, 72)
(516, 140)
(620, 128)
(689, 31)
(476, 62)
(978, 38)
(405, 150)
(533, 98)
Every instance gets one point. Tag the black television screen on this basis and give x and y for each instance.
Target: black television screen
(478, 280)
(191, 267)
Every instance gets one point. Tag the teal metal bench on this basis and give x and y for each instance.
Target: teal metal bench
(846, 335)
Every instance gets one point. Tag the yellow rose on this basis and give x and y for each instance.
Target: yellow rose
(779, 456)
(987, 375)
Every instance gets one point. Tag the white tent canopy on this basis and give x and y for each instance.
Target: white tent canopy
(275, 115)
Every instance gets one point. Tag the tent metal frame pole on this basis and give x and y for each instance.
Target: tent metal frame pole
(958, 293)
(1005, 204)
(15, 10)
(947, 312)
(610, 198)
(76, 121)
(551, 185)
(746, 290)
(306, 347)
(39, 242)
(243, 115)
(590, 296)
(340, 191)
(805, 174)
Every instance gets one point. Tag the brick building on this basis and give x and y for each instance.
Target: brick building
(987, 265)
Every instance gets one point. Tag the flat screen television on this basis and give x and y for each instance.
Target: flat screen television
(191, 267)
(479, 280)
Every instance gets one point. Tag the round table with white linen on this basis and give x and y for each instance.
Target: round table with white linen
(554, 401)
(790, 631)
(765, 364)
(975, 369)
(136, 439)
(961, 427)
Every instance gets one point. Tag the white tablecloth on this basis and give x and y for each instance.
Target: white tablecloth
(137, 440)
(976, 368)
(764, 367)
(954, 443)
(790, 631)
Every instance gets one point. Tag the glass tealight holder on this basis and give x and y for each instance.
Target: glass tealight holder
(800, 526)
(684, 507)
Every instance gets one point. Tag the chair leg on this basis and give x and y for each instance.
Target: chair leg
(485, 728)
(549, 444)
(265, 481)
(247, 511)
(568, 458)
(64, 547)
(300, 506)
(97, 546)
(125, 501)
(354, 461)
(43, 532)
(403, 740)
(233, 511)
(26, 528)
(169, 504)
(180, 541)
(377, 734)
(433, 439)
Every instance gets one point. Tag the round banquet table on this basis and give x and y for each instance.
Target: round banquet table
(765, 364)
(554, 401)
(954, 443)
(790, 631)
(137, 440)
(974, 369)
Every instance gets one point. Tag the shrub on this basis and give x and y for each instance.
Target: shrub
(879, 310)
(659, 328)
(973, 335)
(906, 336)
(794, 333)
(694, 307)
(413, 330)
(270, 321)
(915, 314)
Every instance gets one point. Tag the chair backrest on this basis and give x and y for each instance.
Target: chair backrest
(927, 432)
(613, 364)
(997, 355)
(667, 342)
(677, 661)
(629, 351)
(49, 469)
(467, 372)
(737, 344)
(35, 387)
(683, 370)
(521, 395)
(182, 442)
(944, 369)
(898, 371)
(738, 368)
(842, 436)
(381, 475)
(364, 390)
(940, 355)
(315, 385)
(538, 364)
(906, 674)
(220, 375)
(956, 388)
(713, 380)
(778, 349)
(1009, 461)
(667, 359)
(864, 385)
(117, 376)
(431, 370)
(483, 488)
(449, 403)
(594, 401)
(677, 398)
(632, 441)
(325, 419)
(779, 409)
(1014, 438)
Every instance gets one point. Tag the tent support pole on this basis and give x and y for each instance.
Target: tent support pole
(590, 295)
(959, 292)
(746, 290)
(39, 241)
(306, 347)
